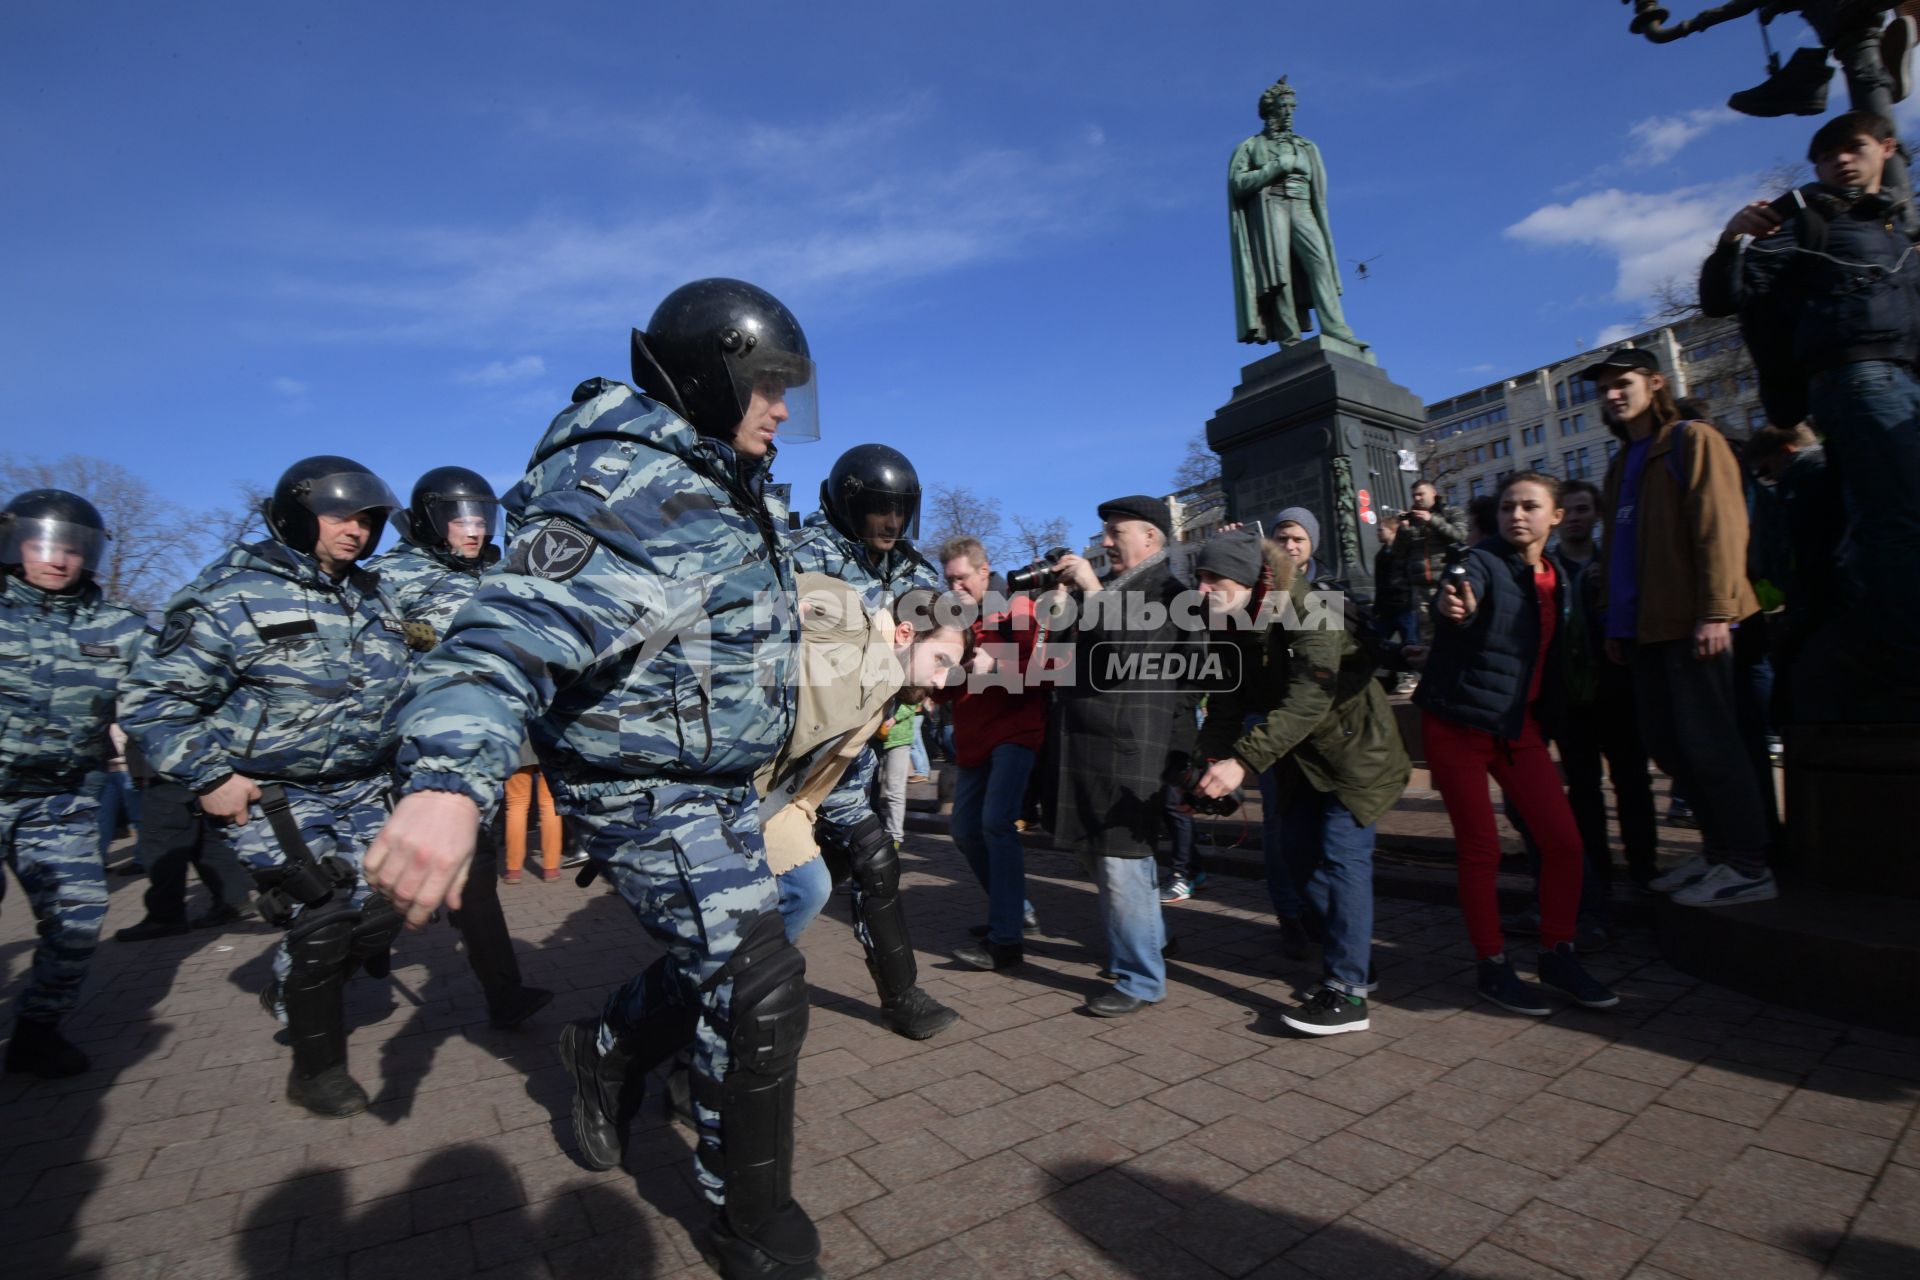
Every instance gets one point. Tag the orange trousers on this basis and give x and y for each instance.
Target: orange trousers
(520, 788)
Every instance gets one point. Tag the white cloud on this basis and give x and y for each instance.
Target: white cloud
(495, 372)
(1658, 139)
(291, 388)
(860, 202)
(1615, 333)
(1482, 367)
(1653, 237)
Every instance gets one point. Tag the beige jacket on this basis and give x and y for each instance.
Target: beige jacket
(846, 679)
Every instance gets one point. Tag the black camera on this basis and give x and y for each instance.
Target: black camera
(1187, 782)
(1038, 576)
(1455, 574)
(1041, 576)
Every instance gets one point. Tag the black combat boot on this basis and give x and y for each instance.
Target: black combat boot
(1797, 89)
(787, 1247)
(606, 1093)
(38, 1049)
(917, 1015)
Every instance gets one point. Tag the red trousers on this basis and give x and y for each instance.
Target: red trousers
(1460, 760)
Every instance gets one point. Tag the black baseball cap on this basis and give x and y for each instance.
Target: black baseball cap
(1622, 358)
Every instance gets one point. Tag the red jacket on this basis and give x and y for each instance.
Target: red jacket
(988, 714)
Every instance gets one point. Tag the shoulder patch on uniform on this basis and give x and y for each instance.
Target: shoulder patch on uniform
(100, 650)
(559, 551)
(173, 633)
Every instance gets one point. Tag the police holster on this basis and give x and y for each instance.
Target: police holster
(310, 883)
(301, 880)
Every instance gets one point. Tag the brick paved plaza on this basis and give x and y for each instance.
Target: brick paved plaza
(1690, 1133)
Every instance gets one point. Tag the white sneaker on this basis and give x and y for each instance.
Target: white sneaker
(1691, 871)
(1723, 886)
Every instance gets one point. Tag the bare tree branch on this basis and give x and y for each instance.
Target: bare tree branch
(1198, 465)
(1032, 539)
(953, 511)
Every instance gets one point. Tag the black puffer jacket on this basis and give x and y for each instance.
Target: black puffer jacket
(1478, 672)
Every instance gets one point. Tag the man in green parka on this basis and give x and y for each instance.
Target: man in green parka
(1332, 736)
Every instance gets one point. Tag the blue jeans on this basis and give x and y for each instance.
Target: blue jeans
(1870, 414)
(986, 804)
(1184, 859)
(803, 893)
(1282, 880)
(1323, 837)
(119, 799)
(1130, 913)
(921, 764)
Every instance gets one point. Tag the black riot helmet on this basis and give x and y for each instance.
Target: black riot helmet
(871, 479)
(711, 343)
(52, 524)
(447, 494)
(325, 485)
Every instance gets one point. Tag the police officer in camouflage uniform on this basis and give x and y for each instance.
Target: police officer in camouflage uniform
(271, 693)
(868, 504)
(449, 526)
(63, 651)
(641, 631)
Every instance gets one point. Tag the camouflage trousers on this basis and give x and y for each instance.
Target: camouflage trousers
(339, 820)
(690, 864)
(52, 844)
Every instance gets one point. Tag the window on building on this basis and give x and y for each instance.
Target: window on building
(1575, 463)
(1560, 394)
(1573, 426)
(1478, 454)
(1500, 449)
(1453, 495)
(1712, 347)
(1613, 450)
(1756, 418)
(1535, 434)
(1476, 487)
(1537, 464)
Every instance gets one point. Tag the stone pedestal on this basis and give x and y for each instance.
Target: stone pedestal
(1320, 425)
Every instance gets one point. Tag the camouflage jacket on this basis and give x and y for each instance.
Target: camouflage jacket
(268, 668)
(62, 657)
(818, 547)
(430, 586)
(639, 628)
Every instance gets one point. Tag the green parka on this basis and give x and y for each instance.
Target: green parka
(1327, 721)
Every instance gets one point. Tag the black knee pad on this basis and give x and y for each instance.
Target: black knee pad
(379, 924)
(864, 851)
(319, 940)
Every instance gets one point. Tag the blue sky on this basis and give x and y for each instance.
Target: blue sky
(239, 234)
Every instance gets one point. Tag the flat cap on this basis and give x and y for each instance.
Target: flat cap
(1140, 507)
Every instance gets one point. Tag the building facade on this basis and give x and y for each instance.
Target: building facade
(1548, 419)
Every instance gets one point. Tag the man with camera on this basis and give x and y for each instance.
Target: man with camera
(999, 726)
(1827, 288)
(1326, 728)
(1124, 719)
(1427, 529)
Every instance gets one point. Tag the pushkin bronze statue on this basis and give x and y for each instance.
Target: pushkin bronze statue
(1283, 260)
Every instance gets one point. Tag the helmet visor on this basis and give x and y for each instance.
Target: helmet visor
(456, 520)
(877, 513)
(346, 493)
(771, 375)
(51, 541)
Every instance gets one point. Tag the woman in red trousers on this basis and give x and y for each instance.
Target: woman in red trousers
(1491, 695)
